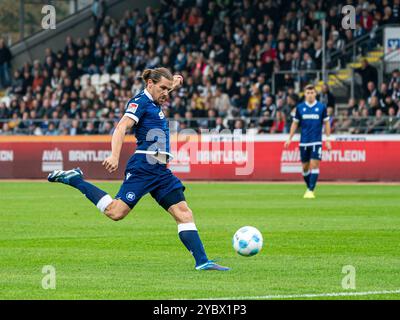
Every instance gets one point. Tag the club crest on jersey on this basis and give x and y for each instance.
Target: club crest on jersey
(132, 107)
(161, 114)
(130, 196)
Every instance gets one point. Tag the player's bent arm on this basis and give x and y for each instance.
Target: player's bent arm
(111, 163)
(328, 129)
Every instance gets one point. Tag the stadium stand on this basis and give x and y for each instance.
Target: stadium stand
(244, 64)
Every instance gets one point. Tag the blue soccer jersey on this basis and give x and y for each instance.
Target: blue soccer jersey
(142, 175)
(151, 128)
(310, 119)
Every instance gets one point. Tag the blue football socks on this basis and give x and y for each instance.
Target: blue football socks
(313, 179)
(191, 239)
(306, 176)
(93, 193)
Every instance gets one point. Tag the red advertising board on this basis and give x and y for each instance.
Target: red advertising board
(363, 158)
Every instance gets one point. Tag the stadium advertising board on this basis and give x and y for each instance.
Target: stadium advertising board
(361, 158)
(392, 44)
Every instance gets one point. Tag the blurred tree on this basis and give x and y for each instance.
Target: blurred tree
(9, 16)
(9, 11)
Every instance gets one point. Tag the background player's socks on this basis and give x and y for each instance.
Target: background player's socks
(313, 179)
(190, 238)
(99, 197)
(306, 176)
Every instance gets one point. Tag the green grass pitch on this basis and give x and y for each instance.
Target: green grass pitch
(306, 243)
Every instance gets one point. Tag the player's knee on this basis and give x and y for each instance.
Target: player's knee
(185, 214)
(314, 166)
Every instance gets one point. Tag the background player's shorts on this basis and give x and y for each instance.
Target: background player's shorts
(310, 152)
(142, 177)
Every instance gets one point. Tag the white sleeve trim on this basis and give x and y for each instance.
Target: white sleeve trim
(132, 116)
(296, 120)
(326, 119)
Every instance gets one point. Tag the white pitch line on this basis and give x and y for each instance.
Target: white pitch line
(312, 295)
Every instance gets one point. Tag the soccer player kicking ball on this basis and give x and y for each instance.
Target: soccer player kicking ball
(146, 170)
(311, 115)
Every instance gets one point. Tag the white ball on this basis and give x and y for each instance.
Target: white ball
(247, 241)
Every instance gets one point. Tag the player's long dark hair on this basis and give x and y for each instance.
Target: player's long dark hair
(156, 74)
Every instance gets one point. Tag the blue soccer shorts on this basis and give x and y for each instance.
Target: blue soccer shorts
(141, 178)
(310, 152)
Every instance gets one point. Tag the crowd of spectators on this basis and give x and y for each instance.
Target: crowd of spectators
(377, 112)
(227, 52)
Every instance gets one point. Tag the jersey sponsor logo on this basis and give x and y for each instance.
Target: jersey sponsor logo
(130, 196)
(132, 107)
(311, 116)
(6, 155)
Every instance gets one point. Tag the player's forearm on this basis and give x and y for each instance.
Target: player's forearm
(117, 141)
(293, 129)
(177, 82)
(328, 129)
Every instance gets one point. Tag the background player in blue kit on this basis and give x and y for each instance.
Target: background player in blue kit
(310, 115)
(146, 171)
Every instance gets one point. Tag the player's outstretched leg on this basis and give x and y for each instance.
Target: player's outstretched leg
(74, 178)
(187, 230)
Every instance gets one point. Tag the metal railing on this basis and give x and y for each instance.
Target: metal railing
(303, 77)
(340, 124)
(360, 45)
(338, 60)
